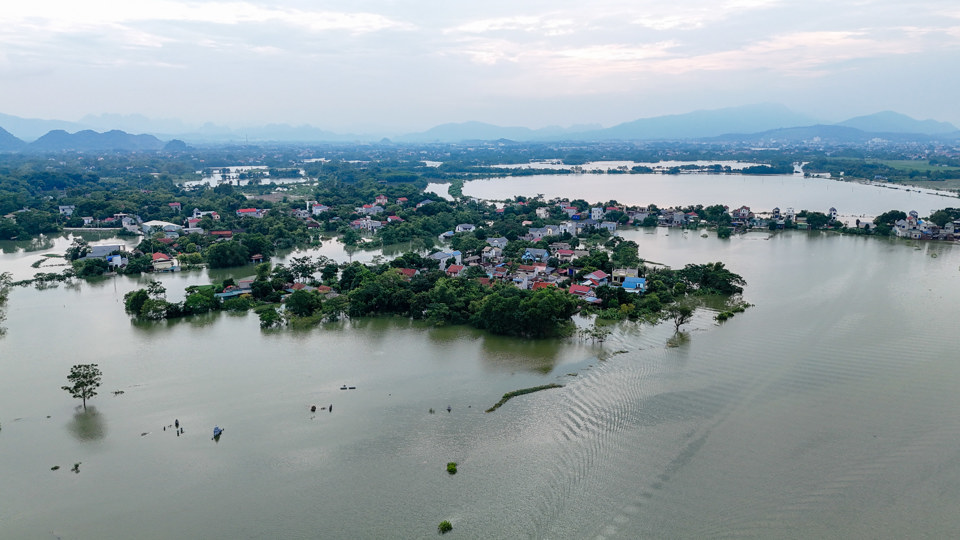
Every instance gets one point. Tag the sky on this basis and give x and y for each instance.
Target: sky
(366, 65)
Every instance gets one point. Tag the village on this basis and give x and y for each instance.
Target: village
(555, 245)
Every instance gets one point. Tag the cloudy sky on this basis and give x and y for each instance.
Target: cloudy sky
(407, 65)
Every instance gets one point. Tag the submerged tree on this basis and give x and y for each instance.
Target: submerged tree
(85, 379)
(680, 313)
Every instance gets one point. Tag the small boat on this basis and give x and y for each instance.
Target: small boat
(344, 387)
(216, 432)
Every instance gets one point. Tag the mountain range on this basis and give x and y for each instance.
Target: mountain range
(751, 123)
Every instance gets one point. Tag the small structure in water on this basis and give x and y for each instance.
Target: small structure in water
(217, 431)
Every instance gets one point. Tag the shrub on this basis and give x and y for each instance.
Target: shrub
(444, 527)
(452, 467)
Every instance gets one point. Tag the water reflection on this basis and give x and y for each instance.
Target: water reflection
(528, 355)
(88, 425)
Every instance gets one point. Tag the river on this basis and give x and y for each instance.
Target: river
(824, 411)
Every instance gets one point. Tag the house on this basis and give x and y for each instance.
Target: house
(256, 259)
(175, 206)
(832, 213)
(402, 200)
(609, 225)
(67, 210)
(491, 254)
(150, 227)
(620, 274)
(318, 209)
(445, 235)
(454, 270)
(197, 213)
(565, 255)
(162, 262)
(741, 214)
(251, 212)
(535, 254)
(382, 200)
(543, 212)
(537, 285)
(597, 278)
(394, 219)
(580, 290)
(370, 209)
(634, 285)
(407, 273)
(500, 242)
(423, 203)
(300, 213)
(570, 211)
(87, 220)
(596, 213)
(226, 235)
(465, 227)
(444, 256)
(103, 251)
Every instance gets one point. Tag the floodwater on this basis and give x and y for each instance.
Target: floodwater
(827, 410)
(762, 193)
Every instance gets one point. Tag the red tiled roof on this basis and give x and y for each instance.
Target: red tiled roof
(409, 272)
(579, 290)
(161, 257)
(543, 285)
(455, 269)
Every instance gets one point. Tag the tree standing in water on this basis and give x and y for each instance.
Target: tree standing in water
(85, 379)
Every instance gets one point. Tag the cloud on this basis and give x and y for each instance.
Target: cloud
(65, 16)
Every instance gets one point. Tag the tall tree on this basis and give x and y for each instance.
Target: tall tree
(85, 379)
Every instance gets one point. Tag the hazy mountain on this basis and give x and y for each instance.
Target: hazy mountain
(892, 122)
(474, 131)
(134, 123)
(88, 140)
(827, 134)
(9, 143)
(708, 123)
(29, 129)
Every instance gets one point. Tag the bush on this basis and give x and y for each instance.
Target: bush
(452, 467)
(444, 527)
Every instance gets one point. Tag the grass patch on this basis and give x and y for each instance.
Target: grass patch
(921, 165)
(510, 395)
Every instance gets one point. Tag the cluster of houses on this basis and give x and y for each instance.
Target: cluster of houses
(920, 229)
(534, 271)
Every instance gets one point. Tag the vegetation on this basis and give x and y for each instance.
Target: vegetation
(85, 379)
(452, 467)
(444, 527)
(510, 395)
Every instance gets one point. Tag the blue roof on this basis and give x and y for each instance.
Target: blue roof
(634, 283)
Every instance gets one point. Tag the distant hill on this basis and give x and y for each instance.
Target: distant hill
(892, 122)
(88, 140)
(9, 143)
(481, 131)
(29, 129)
(708, 123)
(827, 134)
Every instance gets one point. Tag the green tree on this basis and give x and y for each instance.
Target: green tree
(269, 318)
(85, 379)
(680, 313)
(226, 255)
(133, 301)
(302, 303)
